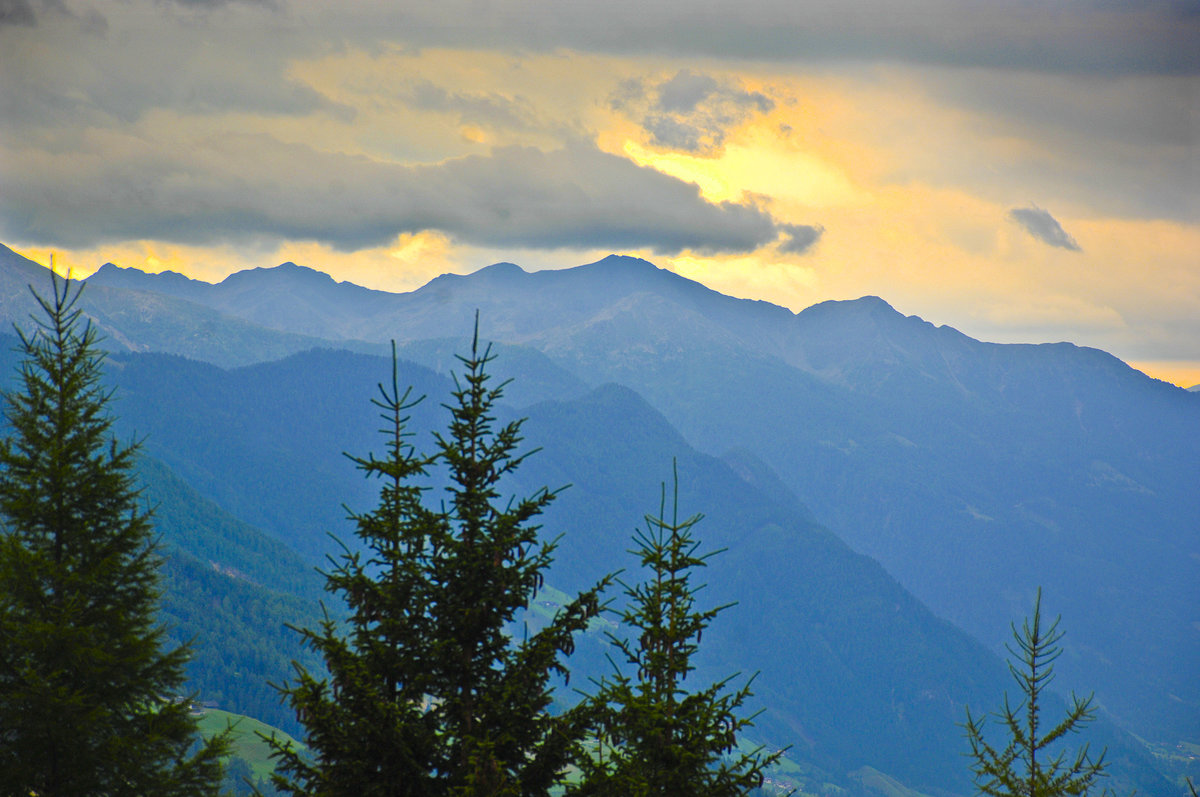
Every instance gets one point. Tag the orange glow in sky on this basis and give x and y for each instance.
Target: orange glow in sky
(792, 155)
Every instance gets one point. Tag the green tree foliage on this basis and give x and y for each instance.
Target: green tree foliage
(1033, 763)
(653, 737)
(428, 693)
(89, 701)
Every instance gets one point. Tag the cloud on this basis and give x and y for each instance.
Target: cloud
(800, 238)
(79, 68)
(683, 92)
(1118, 147)
(219, 3)
(1044, 227)
(22, 13)
(476, 107)
(689, 111)
(256, 188)
(1109, 37)
(17, 12)
(1122, 146)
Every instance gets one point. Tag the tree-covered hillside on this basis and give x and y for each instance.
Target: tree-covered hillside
(855, 671)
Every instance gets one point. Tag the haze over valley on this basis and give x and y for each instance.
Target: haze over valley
(890, 493)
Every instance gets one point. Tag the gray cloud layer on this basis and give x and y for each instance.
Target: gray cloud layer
(71, 71)
(75, 89)
(1110, 37)
(1044, 227)
(16, 12)
(800, 238)
(252, 186)
(82, 163)
(689, 111)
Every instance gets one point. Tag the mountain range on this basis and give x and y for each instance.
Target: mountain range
(890, 493)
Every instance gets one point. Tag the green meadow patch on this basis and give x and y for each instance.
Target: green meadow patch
(247, 739)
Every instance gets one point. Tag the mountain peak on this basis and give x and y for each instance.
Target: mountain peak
(286, 271)
(849, 310)
(618, 269)
(170, 283)
(112, 274)
(502, 270)
(861, 304)
(292, 268)
(111, 269)
(873, 302)
(632, 264)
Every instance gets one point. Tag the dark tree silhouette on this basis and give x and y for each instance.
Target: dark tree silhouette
(427, 693)
(90, 703)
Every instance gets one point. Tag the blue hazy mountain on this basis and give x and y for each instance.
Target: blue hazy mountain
(973, 472)
(137, 320)
(852, 668)
(309, 305)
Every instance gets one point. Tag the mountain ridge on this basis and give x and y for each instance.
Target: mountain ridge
(136, 319)
(599, 274)
(973, 471)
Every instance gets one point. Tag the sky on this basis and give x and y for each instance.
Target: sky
(1021, 171)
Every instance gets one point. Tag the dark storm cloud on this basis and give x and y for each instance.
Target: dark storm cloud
(800, 237)
(17, 12)
(26, 14)
(689, 111)
(1044, 227)
(159, 56)
(1109, 37)
(254, 187)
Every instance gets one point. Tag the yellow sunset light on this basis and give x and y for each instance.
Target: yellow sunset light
(781, 172)
(1178, 372)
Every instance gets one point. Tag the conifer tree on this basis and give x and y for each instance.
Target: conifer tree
(428, 693)
(1032, 763)
(89, 699)
(367, 725)
(653, 737)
